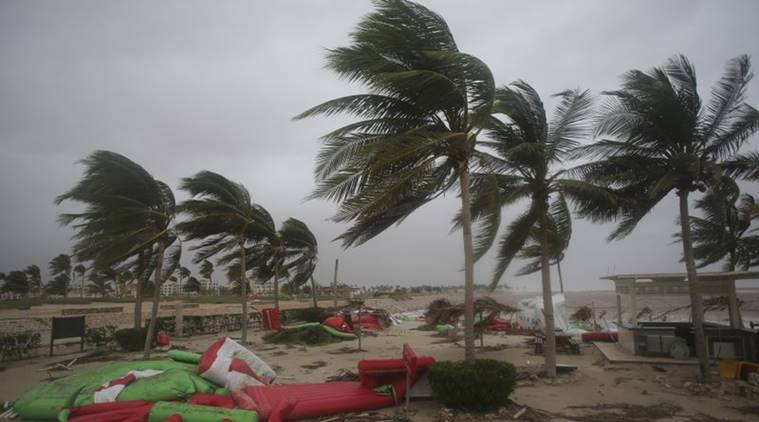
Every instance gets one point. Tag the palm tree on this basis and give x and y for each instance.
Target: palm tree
(192, 285)
(723, 232)
(267, 258)
(35, 279)
(60, 268)
(59, 285)
(657, 138)
(128, 216)
(80, 270)
(521, 163)
(183, 273)
(302, 251)
(222, 215)
(123, 279)
(425, 104)
(100, 281)
(206, 271)
(558, 241)
(15, 282)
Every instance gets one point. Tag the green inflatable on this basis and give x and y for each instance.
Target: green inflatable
(174, 384)
(339, 334)
(47, 400)
(197, 413)
(183, 356)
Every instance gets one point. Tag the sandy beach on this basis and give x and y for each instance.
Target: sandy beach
(596, 386)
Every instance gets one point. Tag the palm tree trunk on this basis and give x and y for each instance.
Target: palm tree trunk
(276, 283)
(549, 351)
(696, 301)
(156, 298)
(561, 280)
(466, 225)
(141, 278)
(313, 291)
(243, 294)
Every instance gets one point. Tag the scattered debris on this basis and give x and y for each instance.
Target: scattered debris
(343, 375)
(315, 365)
(624, 412)
(583, 313)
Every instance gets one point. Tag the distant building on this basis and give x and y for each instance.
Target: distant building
(265, 289)
(209, 287)
(170, 288)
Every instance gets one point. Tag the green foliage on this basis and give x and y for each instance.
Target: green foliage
(16, 282)
(191, 285)
(131, 339)
(100, 336)
(59, 285)
(313, 336)
(656, 136)
(520, 162)
(723, 233)
(18, 345)
(415, 126)
(290, 316)
(481, 386)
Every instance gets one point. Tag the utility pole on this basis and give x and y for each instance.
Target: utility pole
(334, 284)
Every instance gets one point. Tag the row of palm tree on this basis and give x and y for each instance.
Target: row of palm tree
(130, 224)
(432, 120)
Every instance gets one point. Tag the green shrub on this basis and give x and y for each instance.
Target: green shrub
(304, 315)
(100, 336)
(131, 339)
(310, 335)
(484, 385)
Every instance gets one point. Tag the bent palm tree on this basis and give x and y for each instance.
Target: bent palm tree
(520, 164)
(128, 214)
(61, 270)
(302, 250)
(417, 127)
(35, 279)
(206, 271)
(657, 138)
(222, 215)
(723, 231)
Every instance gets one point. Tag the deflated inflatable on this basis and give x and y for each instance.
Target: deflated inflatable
(47, 400)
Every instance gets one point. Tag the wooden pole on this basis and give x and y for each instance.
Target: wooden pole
(334, 284)
(360, 306)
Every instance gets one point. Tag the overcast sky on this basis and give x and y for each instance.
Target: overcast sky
(181, 86)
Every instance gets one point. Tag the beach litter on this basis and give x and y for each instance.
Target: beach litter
(227, 381)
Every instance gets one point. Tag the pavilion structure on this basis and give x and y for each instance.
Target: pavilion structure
(668, 284)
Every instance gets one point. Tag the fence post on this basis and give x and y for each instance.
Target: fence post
(179, 323)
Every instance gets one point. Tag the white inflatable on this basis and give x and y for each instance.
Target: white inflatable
(228, 363)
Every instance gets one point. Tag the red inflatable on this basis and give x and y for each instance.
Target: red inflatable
(368, 322)
(605, 336)
(119, 411)
(215, 400)
(290, 402)
(338, 323)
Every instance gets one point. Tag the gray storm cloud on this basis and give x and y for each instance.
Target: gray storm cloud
(180, 86)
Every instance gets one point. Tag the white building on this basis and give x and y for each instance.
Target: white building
(170, 288)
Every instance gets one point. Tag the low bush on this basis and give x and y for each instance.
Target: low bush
(312, 336)
(484, 385)
(304, 315)
(131, 339)
(100, 336)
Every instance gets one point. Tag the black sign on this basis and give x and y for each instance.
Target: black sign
(66, 328)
